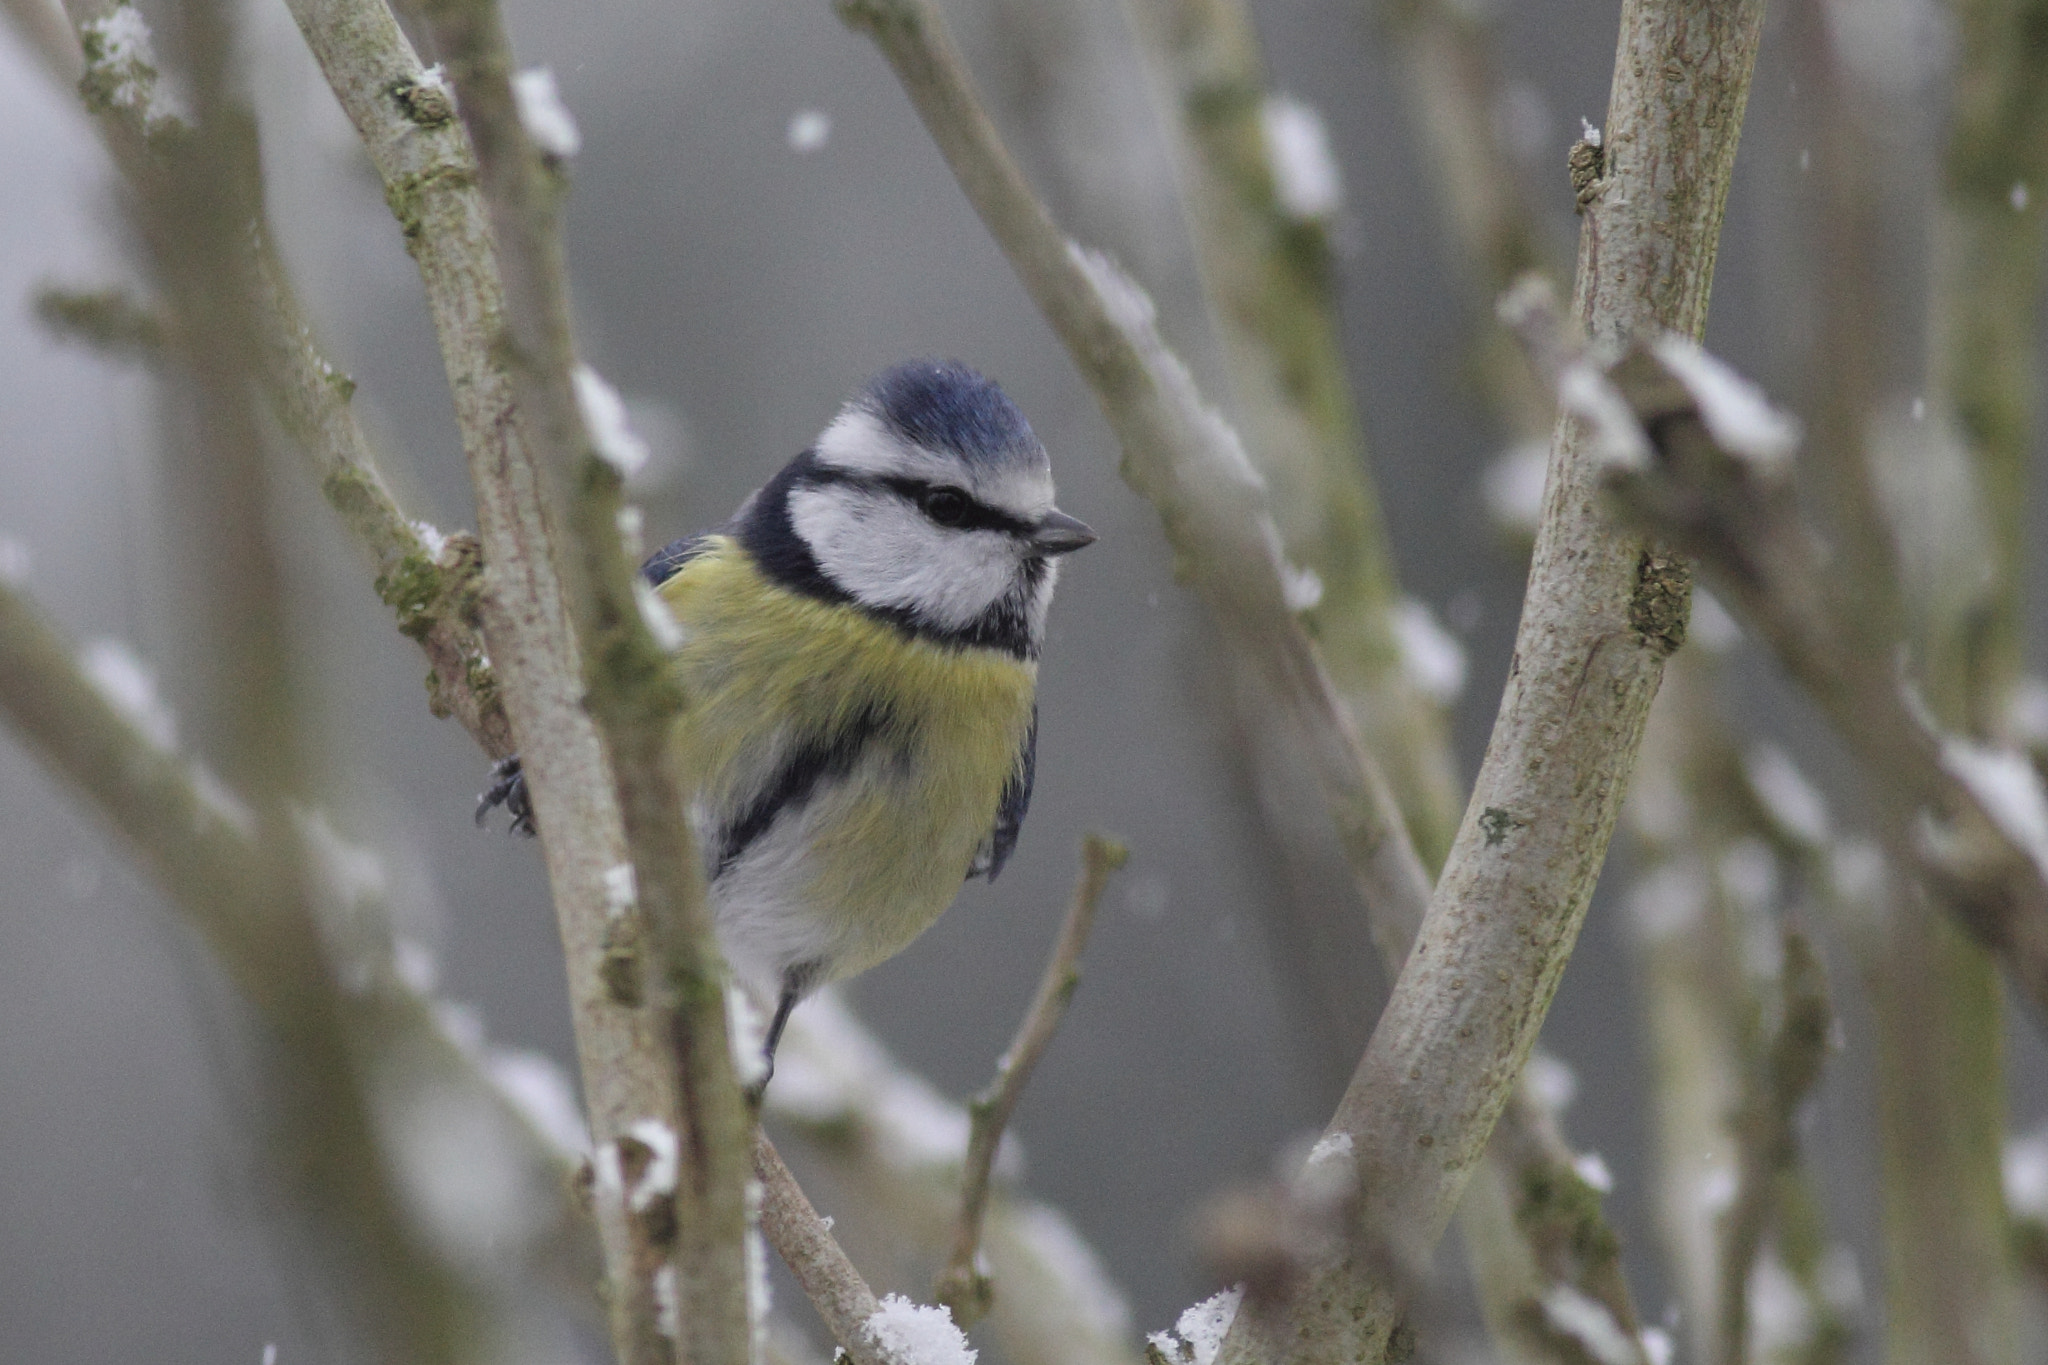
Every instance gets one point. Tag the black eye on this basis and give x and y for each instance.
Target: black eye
(946, 506)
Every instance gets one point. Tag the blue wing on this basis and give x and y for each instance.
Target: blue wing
(996, 849)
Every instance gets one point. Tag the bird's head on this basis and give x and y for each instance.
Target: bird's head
(929, 500)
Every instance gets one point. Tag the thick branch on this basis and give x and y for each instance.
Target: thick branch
(1601, 614)
(962, 1286)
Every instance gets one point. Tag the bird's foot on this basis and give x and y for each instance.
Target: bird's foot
(508, 789)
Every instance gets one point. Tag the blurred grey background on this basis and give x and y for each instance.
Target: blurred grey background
(736, 283)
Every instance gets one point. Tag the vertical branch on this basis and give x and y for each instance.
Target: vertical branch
(1601, 614)
(406, 118)
(629, 690)
(1938, 1000)
(1991, 235)
(1454, 83)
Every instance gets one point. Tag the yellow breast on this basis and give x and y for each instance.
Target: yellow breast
(764, 670)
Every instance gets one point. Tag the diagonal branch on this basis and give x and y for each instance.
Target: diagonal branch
(829, 1279)
(963, 1286)
(1177, 451)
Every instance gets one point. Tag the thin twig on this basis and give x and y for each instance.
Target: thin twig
(868, 1121)
(432, 588)
(962, 1285)
(805, 1243)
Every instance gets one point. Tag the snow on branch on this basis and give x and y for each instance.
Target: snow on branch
(1733, 509)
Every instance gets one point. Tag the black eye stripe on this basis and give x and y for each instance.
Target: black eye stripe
(978, 515)
(975, 515)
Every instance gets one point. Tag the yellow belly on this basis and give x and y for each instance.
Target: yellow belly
(874, 857)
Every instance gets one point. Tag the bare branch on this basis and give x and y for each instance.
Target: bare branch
(963, 1286)
(406, 118)
(1601, 614)
(629, 691)
(1766, 1135)
(1177, 451)
(432, 588)
(806, 1245)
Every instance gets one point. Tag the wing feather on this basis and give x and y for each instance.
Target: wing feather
(1002, 840)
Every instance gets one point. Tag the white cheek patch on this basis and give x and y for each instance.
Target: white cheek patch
(884, 553)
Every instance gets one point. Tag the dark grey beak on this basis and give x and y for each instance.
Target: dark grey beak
(1060, 534)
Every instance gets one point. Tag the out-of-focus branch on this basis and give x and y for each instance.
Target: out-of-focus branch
(1723, 836)
(194, 188)
(1261, 196)
(963, 1286)
(1767, 1138)
(1455, 90)
(196, 837)
(46, 33)
(1714, 497)
(1947, 1213)
(1177, 451)
(1991, 236)
(629, 690)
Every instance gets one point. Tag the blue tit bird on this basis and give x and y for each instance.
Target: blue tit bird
(859, 657)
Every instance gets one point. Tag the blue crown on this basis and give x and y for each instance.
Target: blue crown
(944, 405)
